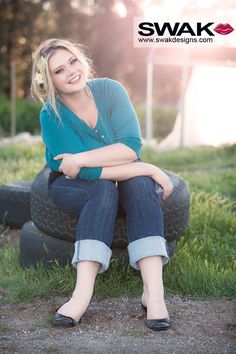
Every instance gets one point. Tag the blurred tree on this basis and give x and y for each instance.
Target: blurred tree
(18, 19)
(106, 34)
(107, 38)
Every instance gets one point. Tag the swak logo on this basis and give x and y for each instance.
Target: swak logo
(223, 29)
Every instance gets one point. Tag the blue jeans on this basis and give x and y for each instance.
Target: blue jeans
(95, 204)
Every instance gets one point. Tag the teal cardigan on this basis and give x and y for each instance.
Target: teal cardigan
(117, 123)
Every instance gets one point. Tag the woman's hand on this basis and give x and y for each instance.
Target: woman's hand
(165, 182)
(69, 166)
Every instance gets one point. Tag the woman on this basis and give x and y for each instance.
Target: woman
(92, 138)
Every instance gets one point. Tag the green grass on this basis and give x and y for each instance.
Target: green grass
(51, 349)
(19, 162)
(207, 169)
(4, 329)
(203, 265)
(133, 333)
(201, 158)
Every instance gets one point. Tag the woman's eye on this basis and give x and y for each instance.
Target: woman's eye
(58, 71)
(73, 61)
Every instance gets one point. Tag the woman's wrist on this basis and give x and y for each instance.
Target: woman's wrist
(80, 160)
(151, 169)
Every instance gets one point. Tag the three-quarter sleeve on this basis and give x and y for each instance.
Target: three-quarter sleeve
(123, 117)
(60, 139)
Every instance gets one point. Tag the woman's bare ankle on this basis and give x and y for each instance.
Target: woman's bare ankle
(155, 303)
(78, 303)
(75, 307)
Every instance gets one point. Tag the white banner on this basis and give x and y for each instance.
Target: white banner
(179, 32)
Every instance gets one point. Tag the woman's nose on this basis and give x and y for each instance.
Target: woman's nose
(70, 71)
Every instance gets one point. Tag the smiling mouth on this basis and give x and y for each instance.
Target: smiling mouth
(223, 29)
(75, 79)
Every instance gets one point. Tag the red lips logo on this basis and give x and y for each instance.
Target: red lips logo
(223, 29)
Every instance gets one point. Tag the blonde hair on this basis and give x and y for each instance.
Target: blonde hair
(42, 88)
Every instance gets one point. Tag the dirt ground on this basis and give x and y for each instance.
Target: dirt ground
(116, 326)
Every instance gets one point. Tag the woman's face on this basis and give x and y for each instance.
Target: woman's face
(67, 73)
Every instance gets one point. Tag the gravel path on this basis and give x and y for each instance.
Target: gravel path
(116, 326)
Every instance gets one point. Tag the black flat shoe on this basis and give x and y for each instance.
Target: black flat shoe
(143, 308)
(161, 324)
(64, 321)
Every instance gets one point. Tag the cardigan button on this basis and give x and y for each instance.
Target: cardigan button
(102, 136)
(96, 131)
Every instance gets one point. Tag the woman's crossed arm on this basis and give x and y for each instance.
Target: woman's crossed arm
(70, 166)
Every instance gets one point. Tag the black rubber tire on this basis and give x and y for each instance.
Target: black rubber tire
(171, 247)
(175, 207)
(15, 203)
(37, 246)
(52, 220)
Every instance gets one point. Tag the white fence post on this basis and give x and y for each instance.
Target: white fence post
(149, 126)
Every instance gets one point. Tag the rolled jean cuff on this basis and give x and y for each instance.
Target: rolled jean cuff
(146, 247)
(92, 250)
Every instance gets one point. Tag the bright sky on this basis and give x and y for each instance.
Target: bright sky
(173, 7)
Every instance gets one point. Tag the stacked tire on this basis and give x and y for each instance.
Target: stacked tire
(15, 204)
(50, 234)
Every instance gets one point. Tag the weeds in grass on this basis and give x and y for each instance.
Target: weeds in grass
(51, 349)
(133, 333)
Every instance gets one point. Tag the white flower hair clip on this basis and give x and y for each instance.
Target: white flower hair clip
(40, 77)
